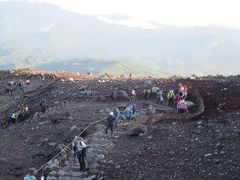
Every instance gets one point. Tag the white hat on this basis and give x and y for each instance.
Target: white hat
(111, 113)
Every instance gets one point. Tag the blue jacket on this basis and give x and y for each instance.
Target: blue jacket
(111, 120)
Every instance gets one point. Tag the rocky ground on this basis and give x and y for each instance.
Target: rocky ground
(205, 147)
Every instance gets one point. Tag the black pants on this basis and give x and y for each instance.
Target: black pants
(170, 102)
(74, 151)
(81, 159)
(111, 127)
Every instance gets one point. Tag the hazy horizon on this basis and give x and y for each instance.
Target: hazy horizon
(118, 38)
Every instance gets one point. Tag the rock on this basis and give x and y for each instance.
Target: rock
(140, 134)
(100, 157)
(149, 137)
(136, 129)
(73, 128)
(142, 113)
(155, 89)
(71, 79)
(54, 165)
(52, 144)
(51, 178)
(89, 178)
(108, 110)
(61, 172)
(207, 155)
(122, 94)
(83, 88)
(53, 173)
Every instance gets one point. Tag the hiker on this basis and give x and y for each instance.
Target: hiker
(14, 116)
(146, 93)
(134, 96)
(159, 96)
(112, 97)
(81, 153)
(30, 175)
(132, 107)
(20, 86)
(182, 107)
(25, 112)
(75, 145)
(116, 114)
(43, 105)
(176, 100)
(28, 82)
(110, 122)
(128, 114)
(170, 96)
(9, 89)
(183, 91)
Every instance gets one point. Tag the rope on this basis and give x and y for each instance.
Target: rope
(92, 123)
(67, 146)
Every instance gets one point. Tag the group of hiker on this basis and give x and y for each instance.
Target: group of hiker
(17, 85)
(178, 100)
(21, 112)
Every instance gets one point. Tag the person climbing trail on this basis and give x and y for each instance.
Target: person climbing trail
(81, 153)
(146, 94)
(170, 97)
(116, 114)
(110, 122)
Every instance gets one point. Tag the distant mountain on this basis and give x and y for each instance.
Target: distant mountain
(44, 36)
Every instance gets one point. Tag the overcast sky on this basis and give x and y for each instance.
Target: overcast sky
(146, 13)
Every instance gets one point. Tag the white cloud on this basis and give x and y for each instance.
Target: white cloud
(47, 28)
(183, 13)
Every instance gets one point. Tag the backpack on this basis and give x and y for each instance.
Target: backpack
(185, 89)
(29, 178)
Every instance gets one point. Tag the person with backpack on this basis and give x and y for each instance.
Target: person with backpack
(170, 97)
(81, 153)
(30, 175)
(128, 114)
(183, 91)
(110, 122)
(159, 96)
(75, 144)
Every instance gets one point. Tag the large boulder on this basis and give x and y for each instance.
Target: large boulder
(122, 94)
(155, 89)
(136, 129)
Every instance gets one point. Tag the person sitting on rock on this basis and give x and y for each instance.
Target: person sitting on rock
(110, 122)
(182, 107)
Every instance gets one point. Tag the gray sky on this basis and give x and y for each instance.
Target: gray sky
(141, 13)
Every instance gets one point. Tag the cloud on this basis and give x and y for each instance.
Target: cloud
(47, 28)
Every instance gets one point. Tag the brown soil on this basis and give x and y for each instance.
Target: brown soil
(176, 150)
